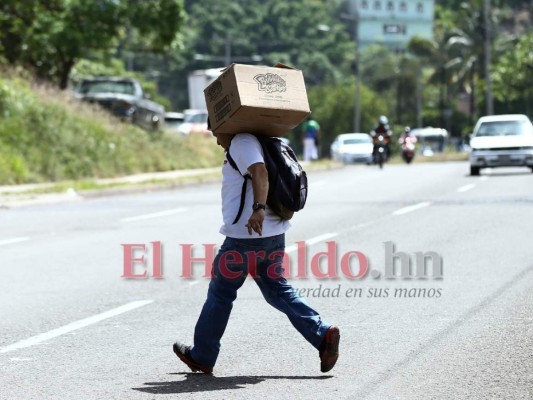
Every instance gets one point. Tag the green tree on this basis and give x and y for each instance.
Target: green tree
(394, 77)
(456, 56)
(512, 76)
(50, 36)
(302, 33)
(308, 35)
(333, 105)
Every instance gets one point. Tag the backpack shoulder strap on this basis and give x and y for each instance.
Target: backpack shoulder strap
(231, 161)
(243, 189)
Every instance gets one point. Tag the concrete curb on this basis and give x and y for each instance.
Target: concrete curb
(17, 196)
(25, 195)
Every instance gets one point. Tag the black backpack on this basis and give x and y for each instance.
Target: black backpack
(287, 181)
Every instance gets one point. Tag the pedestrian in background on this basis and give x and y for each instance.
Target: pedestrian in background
(257, 240)
(310, 138)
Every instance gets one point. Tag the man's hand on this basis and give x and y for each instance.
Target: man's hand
(255, 222)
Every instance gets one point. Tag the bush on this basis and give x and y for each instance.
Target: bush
(45, 135)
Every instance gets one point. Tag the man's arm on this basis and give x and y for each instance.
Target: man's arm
(260, 188)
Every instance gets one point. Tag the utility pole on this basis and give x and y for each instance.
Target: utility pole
(419, 96)
(227, 52)
(488, 76)
(357, 100)
(357, 105)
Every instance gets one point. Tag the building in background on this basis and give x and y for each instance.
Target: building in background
(392, 22)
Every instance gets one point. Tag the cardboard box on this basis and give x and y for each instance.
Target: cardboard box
(257, 99)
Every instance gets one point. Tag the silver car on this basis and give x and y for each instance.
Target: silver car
(501, 141)
(352, 147)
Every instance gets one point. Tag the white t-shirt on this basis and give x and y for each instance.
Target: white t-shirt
(245, 150)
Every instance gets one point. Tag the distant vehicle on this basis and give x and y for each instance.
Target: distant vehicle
(501, 141)
(408, 148)
(124, 97)
(380, 143)
(195, 121)
(432, 140)
(173, 121)
(352, 148)
(197, 81)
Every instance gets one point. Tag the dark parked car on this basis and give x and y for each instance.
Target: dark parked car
(125, 98)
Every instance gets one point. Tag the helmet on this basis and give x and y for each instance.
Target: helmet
(383, 120)
(407, 129)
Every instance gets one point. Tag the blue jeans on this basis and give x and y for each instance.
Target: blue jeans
(262, 259)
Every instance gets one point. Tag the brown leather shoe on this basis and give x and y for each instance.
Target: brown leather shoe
(184, 354)
(329, 350)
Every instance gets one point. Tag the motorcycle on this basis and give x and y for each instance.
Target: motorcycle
(408, 150)
(380, 149)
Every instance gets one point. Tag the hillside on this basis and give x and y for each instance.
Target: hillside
(47, 136)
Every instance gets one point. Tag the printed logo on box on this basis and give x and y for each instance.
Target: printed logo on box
(214, 90)
(270, 83)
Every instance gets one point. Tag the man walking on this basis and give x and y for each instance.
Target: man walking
(254, 245)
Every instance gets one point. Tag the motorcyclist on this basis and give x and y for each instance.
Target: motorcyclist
(382, 129)
(407, 134)
(407, 142)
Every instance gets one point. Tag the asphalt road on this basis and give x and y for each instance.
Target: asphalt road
(73, 328)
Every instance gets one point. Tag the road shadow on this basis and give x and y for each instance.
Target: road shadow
(197, 382)
(500, 174)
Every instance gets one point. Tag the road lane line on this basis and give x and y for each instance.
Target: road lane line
(315, 240)
(466, 188)
(154, 215)
(13, 240)
(362, 225)
(409, 209)
(82, 323)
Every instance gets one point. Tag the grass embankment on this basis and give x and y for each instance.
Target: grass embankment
(46, 136)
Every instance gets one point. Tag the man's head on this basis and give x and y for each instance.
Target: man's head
(223, 139)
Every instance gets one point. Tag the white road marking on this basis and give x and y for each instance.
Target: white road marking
(192, 283)
(409, 209)
(154, 215)
(82, 323)
(13, 240)
(466, 188)
(315, 240)
(484, 178)
(362, 225)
